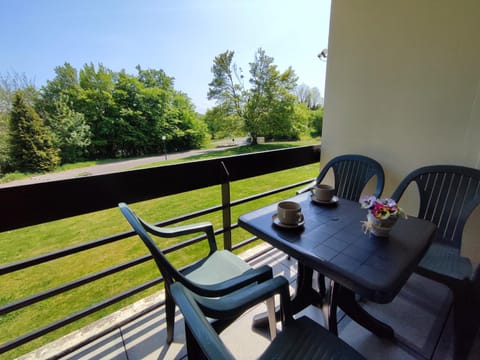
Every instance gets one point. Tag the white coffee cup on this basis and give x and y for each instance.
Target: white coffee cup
(323, 192)
(289, 212)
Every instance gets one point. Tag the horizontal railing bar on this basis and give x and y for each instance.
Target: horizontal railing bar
(71, 285)
(93, 277)
(23, 264)
(267, 193)
(20, 265)
(189, 216)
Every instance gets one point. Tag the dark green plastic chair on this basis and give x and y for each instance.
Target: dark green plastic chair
(299, 339)
(217, 276)
(352, 173)
(448, 195)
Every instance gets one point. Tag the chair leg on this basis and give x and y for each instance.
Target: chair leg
(170, 316)
(465, 319)
(194, 352)
(321, 285)
(272, 318)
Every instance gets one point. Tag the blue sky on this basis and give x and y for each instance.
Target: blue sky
(182, 37)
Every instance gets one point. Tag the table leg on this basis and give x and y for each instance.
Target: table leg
(304, 296)
(330, 309)
(346, 301)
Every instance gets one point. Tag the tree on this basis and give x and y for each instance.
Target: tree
(309, 96)
(149, 108)
(227, 85)
(189, 131)
(71, 133)
(65, 85)
(267, 107)
(152, 78)
(98, 106)
(222, 123)
(10, 83)
(270, 105)
(31, 147)
(127, 114)
(316, 121)
(302, 119)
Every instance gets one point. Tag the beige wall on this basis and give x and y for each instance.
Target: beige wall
(403, 86)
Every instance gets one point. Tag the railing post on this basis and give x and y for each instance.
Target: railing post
(226, 209)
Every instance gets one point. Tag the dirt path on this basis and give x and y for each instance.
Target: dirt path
(114, 166)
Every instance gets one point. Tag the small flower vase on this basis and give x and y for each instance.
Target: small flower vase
(380, 227)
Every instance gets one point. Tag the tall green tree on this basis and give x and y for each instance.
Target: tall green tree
(316, 121)
(270, 106)
(97, 104)
(10, 83)
(267, 107)
(60, 104)
(4, 142)
(153, 78)
(65, 87)
(188, 131)
(223, 123)
(31, 146)
(227, 86)
(71, 133)
(150, 108)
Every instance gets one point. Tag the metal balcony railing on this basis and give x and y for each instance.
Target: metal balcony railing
(28, 205)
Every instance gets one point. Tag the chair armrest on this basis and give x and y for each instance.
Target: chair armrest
(178, 230)
(251, 276)
(307, 188)
(236, 303)
(202, 331)
(169, 232)
(142, 227)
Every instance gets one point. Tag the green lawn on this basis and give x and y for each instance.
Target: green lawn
(28, 242)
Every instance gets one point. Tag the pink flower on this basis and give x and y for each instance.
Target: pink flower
(381, 208)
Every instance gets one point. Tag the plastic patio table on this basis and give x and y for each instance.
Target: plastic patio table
(332, 242)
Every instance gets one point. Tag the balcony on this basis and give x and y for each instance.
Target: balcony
(420, 314)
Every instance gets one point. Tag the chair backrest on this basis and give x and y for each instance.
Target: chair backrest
(352, 173)
(448, 195)
(168, 271)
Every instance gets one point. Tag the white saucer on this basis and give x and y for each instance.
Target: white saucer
(332, 201)
(277, 222)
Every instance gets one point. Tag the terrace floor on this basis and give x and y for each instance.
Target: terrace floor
(420, 316)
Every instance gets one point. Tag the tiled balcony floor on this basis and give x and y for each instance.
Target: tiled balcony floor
(419, 316)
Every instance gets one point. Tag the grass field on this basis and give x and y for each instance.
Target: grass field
(29, 242)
